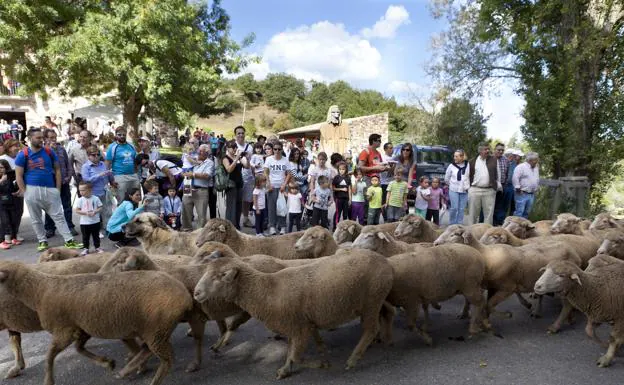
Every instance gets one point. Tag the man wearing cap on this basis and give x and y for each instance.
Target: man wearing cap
(120, 159)
(501, 205)
(526, 182)
(145, 147)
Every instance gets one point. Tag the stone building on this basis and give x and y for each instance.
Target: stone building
(360, 128)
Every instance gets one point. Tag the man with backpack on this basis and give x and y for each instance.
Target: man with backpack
(170, 169)
(38, 177)
(120, 157)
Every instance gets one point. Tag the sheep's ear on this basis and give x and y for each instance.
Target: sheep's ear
(542, 269)
(576, 278)
(3, 276)
(577, 220)
(131, 262)
(160, 223)
(351, 229)
(216, 254)
(466, 236)
(222, 228)
(383, 236)
(612, 223)
(530, 226)
(230, 275)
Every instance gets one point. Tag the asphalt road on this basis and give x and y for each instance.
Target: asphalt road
(523, 354)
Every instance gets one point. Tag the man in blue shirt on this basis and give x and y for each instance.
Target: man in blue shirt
(120, 159)
(38, 176)
(214, 143)
(95, 172)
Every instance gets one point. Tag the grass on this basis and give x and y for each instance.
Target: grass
(177, 151)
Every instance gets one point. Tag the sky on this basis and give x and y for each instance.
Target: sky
(372, 44)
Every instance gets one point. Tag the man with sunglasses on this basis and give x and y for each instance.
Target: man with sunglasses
(120, 157)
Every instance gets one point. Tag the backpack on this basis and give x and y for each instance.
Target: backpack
(173, 159)
(222, 181)
(47, 150)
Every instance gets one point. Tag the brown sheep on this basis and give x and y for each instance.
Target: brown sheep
(78, 307)
(604, 221)
(320, 295)
(221, 230)
(158, 238)
(567, 223)
(414, 229)
(598, 294)
(524, 228)
(348, 230)
(383, 243)
(613, 244)
(316, 242)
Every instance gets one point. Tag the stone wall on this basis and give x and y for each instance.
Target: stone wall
(363, 126)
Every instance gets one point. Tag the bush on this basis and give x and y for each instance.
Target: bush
(282, 123)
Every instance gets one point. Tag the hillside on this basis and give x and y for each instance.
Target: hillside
(225, 123)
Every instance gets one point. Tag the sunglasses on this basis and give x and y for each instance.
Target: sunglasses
(406, 149)
(94, 154)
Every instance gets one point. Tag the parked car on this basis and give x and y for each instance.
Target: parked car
(431, 161)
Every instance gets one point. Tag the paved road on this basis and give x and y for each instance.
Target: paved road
(524, 355)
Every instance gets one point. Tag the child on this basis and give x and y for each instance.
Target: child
(373, 194)
(342, 193)
(294, 207)
(88, 206)
(422, 196)
(9, 216)
(358, 202)
(322, 200)
(435, 201)
(259, 202)
(257, 159)
(396, 199)
(172, 208)
(152, 201)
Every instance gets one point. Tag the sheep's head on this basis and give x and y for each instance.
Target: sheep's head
(566, 223)
(453, 234)
(411, 225)
(58, 254)
(347, 231)
(313, 241)
(219, 280)
(128, 259)
(372, 239)
(211, 250)
(144, 224)
(558, 277)
(11, 272)
(604, 221)
(217, 230)
(518, 226)
(495, 235)
(613, 244)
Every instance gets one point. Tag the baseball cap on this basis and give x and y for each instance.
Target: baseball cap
(518, 153)
(509, 151)
(145, 138)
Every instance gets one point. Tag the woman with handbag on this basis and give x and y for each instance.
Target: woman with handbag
(233, 162)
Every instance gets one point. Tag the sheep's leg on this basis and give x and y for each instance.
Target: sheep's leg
(370, 328)
(134, 348)
(617, 338)
(99, 360)
(591, 332)
(296, 347)
(411, 312)
(465, 314)
(136, 363)
(475, 298)
(524, 302)
(537, 311)
(425, 324)
(386, 319)
(60, 341)
(494, 300)
(197, 326)
(238, 320)
(15, 339)
(163, 350)
(223, 332)
(565, 313)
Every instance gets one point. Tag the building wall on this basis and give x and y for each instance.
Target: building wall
(361, 127)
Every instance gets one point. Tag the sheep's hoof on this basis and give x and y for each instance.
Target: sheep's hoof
(463, 316)
(109, 364)
(142, 369)
(282, 373)
(553, 329)
(192, 367)
(427, 338)
(603, 361)
(536, 315)
(14, 372)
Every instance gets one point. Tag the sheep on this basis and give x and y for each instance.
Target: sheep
(413, 229)
(524, 228)
(567, 223)
(598, 294)
(77, 307)
(158, 238)
(281, 246)
(442, 272)
(510, 269)
(348, 230)
(604, 221)
(317, 242)
(383, 243)
(19, 318)
(58, 254)
(322, 294)
(613, 244)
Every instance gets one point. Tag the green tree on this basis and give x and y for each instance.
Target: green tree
(460, 124)
(280, 90)
(282, 123)
(166, 57)
(248, 86)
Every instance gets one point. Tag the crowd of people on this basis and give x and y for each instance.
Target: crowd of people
(273, 185)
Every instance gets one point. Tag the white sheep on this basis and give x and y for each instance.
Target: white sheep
(348, 230)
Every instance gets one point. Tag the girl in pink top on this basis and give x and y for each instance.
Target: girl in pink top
(433, 209)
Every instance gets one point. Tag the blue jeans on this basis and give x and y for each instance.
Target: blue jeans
(458, 205)
(503, 201)
(524, 202)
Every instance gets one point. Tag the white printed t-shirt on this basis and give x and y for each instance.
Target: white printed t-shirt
(86, 205)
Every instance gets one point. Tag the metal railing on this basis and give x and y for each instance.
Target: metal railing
(8, 91)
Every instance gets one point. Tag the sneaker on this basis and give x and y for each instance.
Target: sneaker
(272, 231)
(101, 235)
(282, 231)
(99, 250)
(71, 244)
(84, 252)
(16, 242)
(73, 231)
(260, 235)
(19, 238)
(49, 234)
(247, 222)
(119, 245)
(5, 245)
(42, 246)
(7, 238)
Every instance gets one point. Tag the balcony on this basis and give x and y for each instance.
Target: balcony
(11, 91)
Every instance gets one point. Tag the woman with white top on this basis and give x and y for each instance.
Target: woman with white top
(457, 179)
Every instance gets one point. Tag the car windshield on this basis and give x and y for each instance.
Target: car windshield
(434, 156)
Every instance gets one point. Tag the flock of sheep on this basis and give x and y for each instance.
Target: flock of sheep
(301, 282)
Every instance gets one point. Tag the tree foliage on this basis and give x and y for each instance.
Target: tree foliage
(280, 90)
(566, 58)
(460, 124)
(167, 56)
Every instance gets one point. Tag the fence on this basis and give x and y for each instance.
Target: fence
(566, 194)
(11, 90)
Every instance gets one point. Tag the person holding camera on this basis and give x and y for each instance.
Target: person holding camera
(234, 162)
(249, 178)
